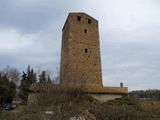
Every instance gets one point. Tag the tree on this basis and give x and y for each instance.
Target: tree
(7, 89)
(27, 80)
(49, 79)
(31, 76)
(42, 77)
(12, 74)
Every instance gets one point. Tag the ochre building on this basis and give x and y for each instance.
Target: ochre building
(81, 60)
(80, 53)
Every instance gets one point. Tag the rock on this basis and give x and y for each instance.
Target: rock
(50, 112)
(92, 117)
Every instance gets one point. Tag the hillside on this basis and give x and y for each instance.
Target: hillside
(73, 104)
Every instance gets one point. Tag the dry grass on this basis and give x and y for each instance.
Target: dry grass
(71, 102)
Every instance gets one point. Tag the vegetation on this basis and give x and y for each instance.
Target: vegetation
(7, 89)
(12, 74)
(146, 95)
(124, 101)
(66, 103)
(27, 80)
(11, 83)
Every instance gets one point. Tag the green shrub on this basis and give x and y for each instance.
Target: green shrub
(89, 98)
(7, 89)
(124, 101)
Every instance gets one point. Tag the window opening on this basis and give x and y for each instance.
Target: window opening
(89, 21)
(86, 50)
(79, 18)
(85, 30)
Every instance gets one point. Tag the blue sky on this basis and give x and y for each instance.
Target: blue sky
(30, 33)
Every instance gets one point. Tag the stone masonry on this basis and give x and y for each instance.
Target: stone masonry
(80, 51)
(80, 58)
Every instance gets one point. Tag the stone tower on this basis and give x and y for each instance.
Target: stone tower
(80, 52)
(80, 61)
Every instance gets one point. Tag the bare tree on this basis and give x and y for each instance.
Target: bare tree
(12, 73)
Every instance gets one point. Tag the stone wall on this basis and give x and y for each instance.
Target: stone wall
(105, 97)
(80, 53)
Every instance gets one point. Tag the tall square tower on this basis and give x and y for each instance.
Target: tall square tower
(80, 52)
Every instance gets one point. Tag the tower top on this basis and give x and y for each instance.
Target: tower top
(81, 13)
(81, 16)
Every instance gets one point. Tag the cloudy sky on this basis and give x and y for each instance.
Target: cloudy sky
(30, 33)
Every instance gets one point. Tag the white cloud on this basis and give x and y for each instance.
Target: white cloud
(12, 40)
(38, 49)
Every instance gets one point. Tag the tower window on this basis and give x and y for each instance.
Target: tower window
(89, 21)
(79, 18)
(85, 30)
(86, 50)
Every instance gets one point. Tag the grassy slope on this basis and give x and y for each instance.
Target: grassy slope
(75, 103)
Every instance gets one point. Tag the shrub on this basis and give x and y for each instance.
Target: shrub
(124, 101)
(7, 90)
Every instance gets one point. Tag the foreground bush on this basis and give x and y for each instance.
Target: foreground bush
(7, 89)
(70, 102)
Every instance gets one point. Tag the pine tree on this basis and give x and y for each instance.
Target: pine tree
(49, 79)
(24, 88)
(7, 89)
(27, 80)
(24, 81)
(42, 77)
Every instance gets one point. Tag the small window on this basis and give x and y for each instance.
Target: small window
(79, 18)
(85, 30)
(89, 21)
(86, 50)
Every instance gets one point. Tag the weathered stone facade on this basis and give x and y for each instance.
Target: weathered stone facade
(80, 56)
(80, 61)
(105, 97)
(80, 51)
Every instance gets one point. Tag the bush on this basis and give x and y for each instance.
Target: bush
(7, 90)
(114, 112)
(124, 101)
